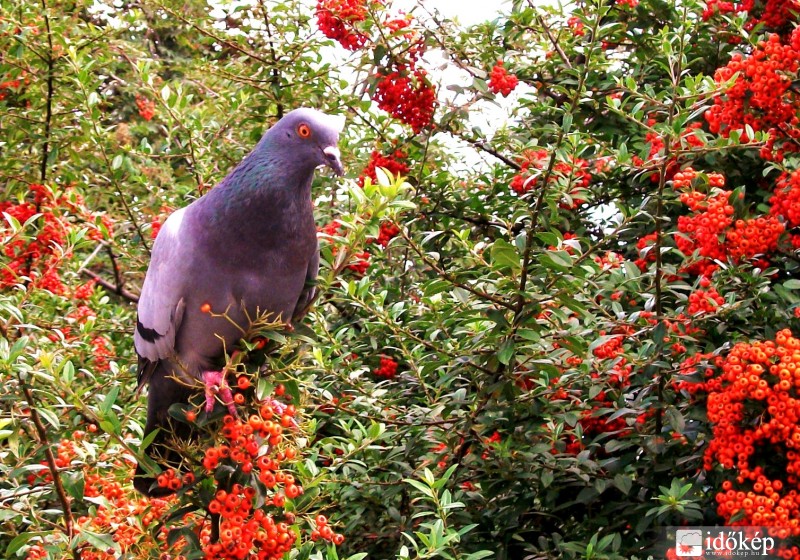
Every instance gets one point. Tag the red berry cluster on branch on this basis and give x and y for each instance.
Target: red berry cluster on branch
(113, 505)
(704, 301)
(785, 200)
(754, 410)
(713, 231)
(248, 528)
(761, 97)
(389, 230)
(146, 107)
(394, 163)
(407, 95)
(387, 368)
(337, 18)
(573, 176)
(500, 81)
(774, 14)
(35, 260)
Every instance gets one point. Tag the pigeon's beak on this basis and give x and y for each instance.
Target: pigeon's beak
(333, 159)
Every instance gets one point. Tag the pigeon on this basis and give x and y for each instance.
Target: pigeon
(246, 249)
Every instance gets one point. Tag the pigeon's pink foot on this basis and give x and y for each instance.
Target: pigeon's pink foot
(215, 384)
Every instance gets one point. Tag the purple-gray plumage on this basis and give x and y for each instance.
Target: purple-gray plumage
(246, 248)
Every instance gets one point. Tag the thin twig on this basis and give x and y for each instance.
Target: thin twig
(116, 289)
(553, 40)
(450, 277)
(69, 528)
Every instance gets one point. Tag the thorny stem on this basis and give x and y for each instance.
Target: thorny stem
(545, 179)
(676, 71)
(69, 528)
(50, 91)
(553, 40)
(450, 277)
(275, 76)
(117, 187)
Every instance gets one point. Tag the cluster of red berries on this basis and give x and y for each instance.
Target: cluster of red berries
(754, 411)
(687, 138)
(645, 247)
(84, 291)
(407, 95)
(8, 86)
(337, 18)
(774, 14)
(594, 422)
(387, 368)
(146, 107)
(609, 260)
(11, 89)
(359, 262)
(754, 236)
(620, 371)
(614, 371)
(704, 301)
(609, 349)
(785, 200)
(573, 176)
(394, 163)
(714, 233)
(688, 178)
(102, 352)
(778, 14)
(761, 96)
(331, 229)
(576, 24)
(694, 372)
(500, 81)
(245, 532)
(323, 531)
(254, 447)
(36, 259)
(113, 506)
(389, 230)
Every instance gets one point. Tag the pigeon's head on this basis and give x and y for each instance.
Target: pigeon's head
(311, 137)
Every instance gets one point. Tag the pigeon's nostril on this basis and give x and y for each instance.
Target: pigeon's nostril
(333, 156)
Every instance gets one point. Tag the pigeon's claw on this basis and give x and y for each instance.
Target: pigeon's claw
(215, 384)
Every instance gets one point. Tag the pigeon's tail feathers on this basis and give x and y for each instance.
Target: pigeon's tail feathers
(165, 449)
(144, 372)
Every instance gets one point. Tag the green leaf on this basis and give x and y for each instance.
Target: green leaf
(19, 541)
(100, 541)
(792, 284)
(110, 399)
(623, 483)
(675, 419)
(506, 351)
(504, 255)
(419, 486)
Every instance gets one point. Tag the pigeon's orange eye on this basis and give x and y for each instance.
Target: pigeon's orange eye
(303, 130)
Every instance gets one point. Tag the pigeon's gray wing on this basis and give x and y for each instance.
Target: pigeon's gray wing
(309, 288)
(161, 304)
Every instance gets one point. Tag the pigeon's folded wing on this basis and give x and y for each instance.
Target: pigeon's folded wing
(161, 303)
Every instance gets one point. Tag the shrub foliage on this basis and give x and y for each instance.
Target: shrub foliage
(558, 294)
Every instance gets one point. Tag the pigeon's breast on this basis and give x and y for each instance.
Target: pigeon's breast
(273, 283)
